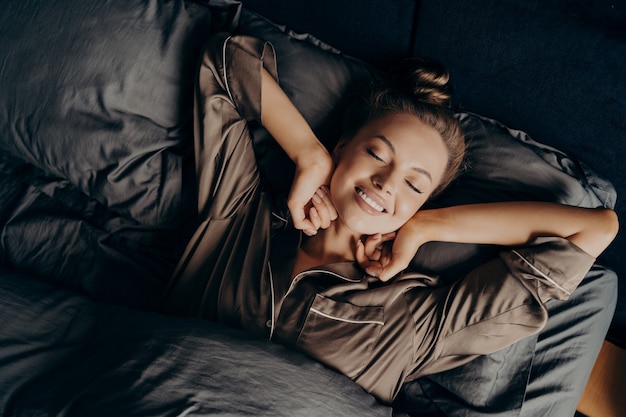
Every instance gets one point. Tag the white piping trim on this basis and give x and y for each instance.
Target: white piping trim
(269, 266)
(310, 271)
(534, 268)
(314, 310)
(224, 69)
(281, 218)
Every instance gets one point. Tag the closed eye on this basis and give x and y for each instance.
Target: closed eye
(374, 155)
(414, 188)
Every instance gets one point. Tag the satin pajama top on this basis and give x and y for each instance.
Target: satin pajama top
(237, 267)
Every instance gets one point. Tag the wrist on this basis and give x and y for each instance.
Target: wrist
(312, 154)
(429, 225)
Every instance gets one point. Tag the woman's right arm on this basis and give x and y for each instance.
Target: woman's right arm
(314, 165)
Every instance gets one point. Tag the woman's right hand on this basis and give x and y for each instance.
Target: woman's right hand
(309, 200)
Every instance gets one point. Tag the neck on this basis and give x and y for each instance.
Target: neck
(335, 244)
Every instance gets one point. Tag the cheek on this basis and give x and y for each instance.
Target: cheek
(341, 178)
(405, 209)
(337, 189)
(335, 183)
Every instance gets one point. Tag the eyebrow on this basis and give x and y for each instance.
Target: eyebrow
(393, 150)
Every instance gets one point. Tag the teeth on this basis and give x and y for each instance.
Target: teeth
(371, 202)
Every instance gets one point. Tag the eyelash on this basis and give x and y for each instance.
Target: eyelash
(378, 158)
(374, 155)
(414, 188)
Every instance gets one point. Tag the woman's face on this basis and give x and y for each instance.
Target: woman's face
(386, 172)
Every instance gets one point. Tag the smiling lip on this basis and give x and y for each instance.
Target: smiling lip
(369, 201)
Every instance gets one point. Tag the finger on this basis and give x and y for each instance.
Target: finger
(374, 256)
(298, 215)
(371, 243)
(382, 251)
(300, 222)
(314, 217)
(385, 255)
(394, 267)
(299, 200)
(374, 269)
(300, 212)
(311, 223)
(386, 237)
(322, 210)
(309, 231)
(360, 256)
(324, 193)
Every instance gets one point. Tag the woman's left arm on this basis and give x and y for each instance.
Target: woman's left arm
(507, 224)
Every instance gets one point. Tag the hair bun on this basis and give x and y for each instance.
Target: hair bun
(427, 81)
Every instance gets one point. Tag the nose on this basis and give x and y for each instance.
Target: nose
(383, 181)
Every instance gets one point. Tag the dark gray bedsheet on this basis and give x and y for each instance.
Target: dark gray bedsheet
(54, 232)
(63, 355)
(94, 198)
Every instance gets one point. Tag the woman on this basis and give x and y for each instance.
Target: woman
(338, 293)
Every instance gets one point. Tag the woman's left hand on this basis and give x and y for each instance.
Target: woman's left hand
(374, 255)
(384, 256)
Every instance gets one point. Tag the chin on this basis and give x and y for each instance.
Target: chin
(367, 227)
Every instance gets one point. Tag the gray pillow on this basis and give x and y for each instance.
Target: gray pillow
(99, 93)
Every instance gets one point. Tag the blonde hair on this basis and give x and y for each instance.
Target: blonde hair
(421, 89)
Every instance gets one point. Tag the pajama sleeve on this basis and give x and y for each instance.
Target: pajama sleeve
(552, 269)
(228, 96)
(219, 275)
(496, 304)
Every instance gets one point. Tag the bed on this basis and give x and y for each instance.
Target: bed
(97, 203)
